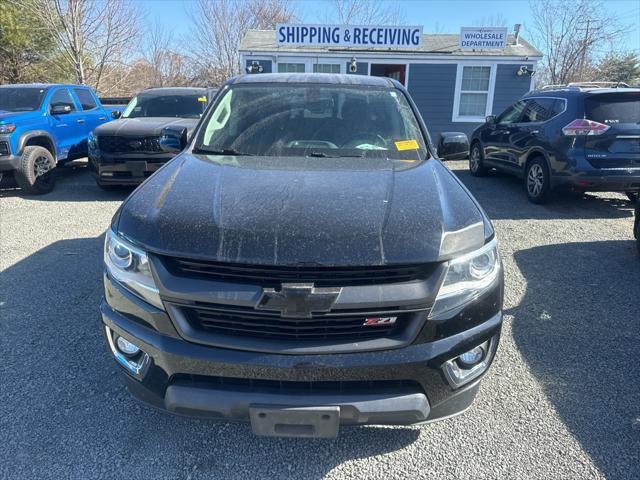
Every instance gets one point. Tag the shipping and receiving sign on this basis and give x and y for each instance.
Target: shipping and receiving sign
(349, 36)
(474, 38)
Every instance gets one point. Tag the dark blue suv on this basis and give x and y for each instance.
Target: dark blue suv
(579, 136)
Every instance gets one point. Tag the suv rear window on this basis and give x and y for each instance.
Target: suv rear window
(613, 108)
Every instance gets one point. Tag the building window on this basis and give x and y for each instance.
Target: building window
(290, 67)
(326, 68)
(474, 93)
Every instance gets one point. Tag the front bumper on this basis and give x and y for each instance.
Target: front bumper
(400, 386)
(125, 171)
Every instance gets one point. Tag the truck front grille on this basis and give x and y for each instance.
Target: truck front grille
(4, 149)
(121, 144)
(320, 276)
(238, 321)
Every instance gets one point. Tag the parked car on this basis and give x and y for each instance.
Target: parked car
(42, 126)
(305, 262)
(583, 137)
(126, 151)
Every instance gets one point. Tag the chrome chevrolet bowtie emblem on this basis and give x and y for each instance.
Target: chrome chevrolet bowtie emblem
(298, 300)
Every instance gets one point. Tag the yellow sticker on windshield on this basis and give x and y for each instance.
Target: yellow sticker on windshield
(202, 99)
(407, 145)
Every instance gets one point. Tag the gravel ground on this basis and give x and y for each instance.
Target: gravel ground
(561, 401)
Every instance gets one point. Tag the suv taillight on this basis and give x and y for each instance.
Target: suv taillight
(582, 126)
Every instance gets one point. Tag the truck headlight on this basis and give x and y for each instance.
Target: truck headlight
(7, 128)
(129, 266)
(467, 278)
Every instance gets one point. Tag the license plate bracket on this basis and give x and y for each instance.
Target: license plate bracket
(284, 421)
(137, 168)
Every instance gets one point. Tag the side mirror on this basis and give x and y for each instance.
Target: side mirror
(173, 139)
(115, 114)
(453, 146)
(490, 119)
(60, 109)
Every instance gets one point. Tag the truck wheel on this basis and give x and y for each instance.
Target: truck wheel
(537, 181)
(36, 173)
(476, 161)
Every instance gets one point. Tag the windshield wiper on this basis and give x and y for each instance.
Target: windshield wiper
(324, 155)
(221, 151)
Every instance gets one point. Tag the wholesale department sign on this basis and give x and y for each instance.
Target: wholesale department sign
(489, 38)
(348, 36)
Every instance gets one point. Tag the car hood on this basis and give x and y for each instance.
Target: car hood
(271, 210)
(8, 117)
(134, 127)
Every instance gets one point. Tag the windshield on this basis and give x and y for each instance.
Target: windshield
(312, 120)
(156, 105)
(19, 99)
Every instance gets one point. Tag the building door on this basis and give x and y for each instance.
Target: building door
(397, 72)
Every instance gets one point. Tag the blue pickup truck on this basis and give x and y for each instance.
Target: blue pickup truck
(45, 125)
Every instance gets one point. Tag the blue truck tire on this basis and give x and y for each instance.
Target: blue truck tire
(36, 172)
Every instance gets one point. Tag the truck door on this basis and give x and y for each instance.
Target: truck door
(94, 114)
(69, 129)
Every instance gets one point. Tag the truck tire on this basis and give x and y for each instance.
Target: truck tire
(36, 173)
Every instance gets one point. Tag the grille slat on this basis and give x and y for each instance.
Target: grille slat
(292, 386)
(120, 144)
(249, 322)
(320, 276)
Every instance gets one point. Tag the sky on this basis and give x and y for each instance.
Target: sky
(442, 16)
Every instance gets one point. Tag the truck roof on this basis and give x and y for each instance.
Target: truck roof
(42, 85)
(330, 78)
(175, 90)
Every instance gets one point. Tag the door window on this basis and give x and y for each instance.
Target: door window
(86, 98)
(538, 110)
(62, 97)
(511, 114)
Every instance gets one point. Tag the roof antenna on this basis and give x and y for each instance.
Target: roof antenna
(516, 29)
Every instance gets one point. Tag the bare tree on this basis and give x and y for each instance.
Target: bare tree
(496, 20)
(571, 36)
(94, 36)
(219, 26)
(366, 12)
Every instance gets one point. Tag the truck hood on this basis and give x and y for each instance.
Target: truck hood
(143, 126)
(296, 210)
(9, 117)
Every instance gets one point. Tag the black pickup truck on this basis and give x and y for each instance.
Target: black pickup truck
(126, 151)
(306, 262)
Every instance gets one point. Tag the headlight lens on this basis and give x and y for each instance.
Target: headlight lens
(129, 266)
(468, 277)
(7, 128)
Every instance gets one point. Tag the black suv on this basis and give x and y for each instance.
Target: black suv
(575, 136)
(127, 150)
(305, 262)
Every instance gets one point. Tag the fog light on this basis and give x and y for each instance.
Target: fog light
(134, 360)
(470, 358)
(126, 347)
(470, 365)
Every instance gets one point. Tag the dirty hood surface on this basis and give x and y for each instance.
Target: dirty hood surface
(143, 126)
(297, 210)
